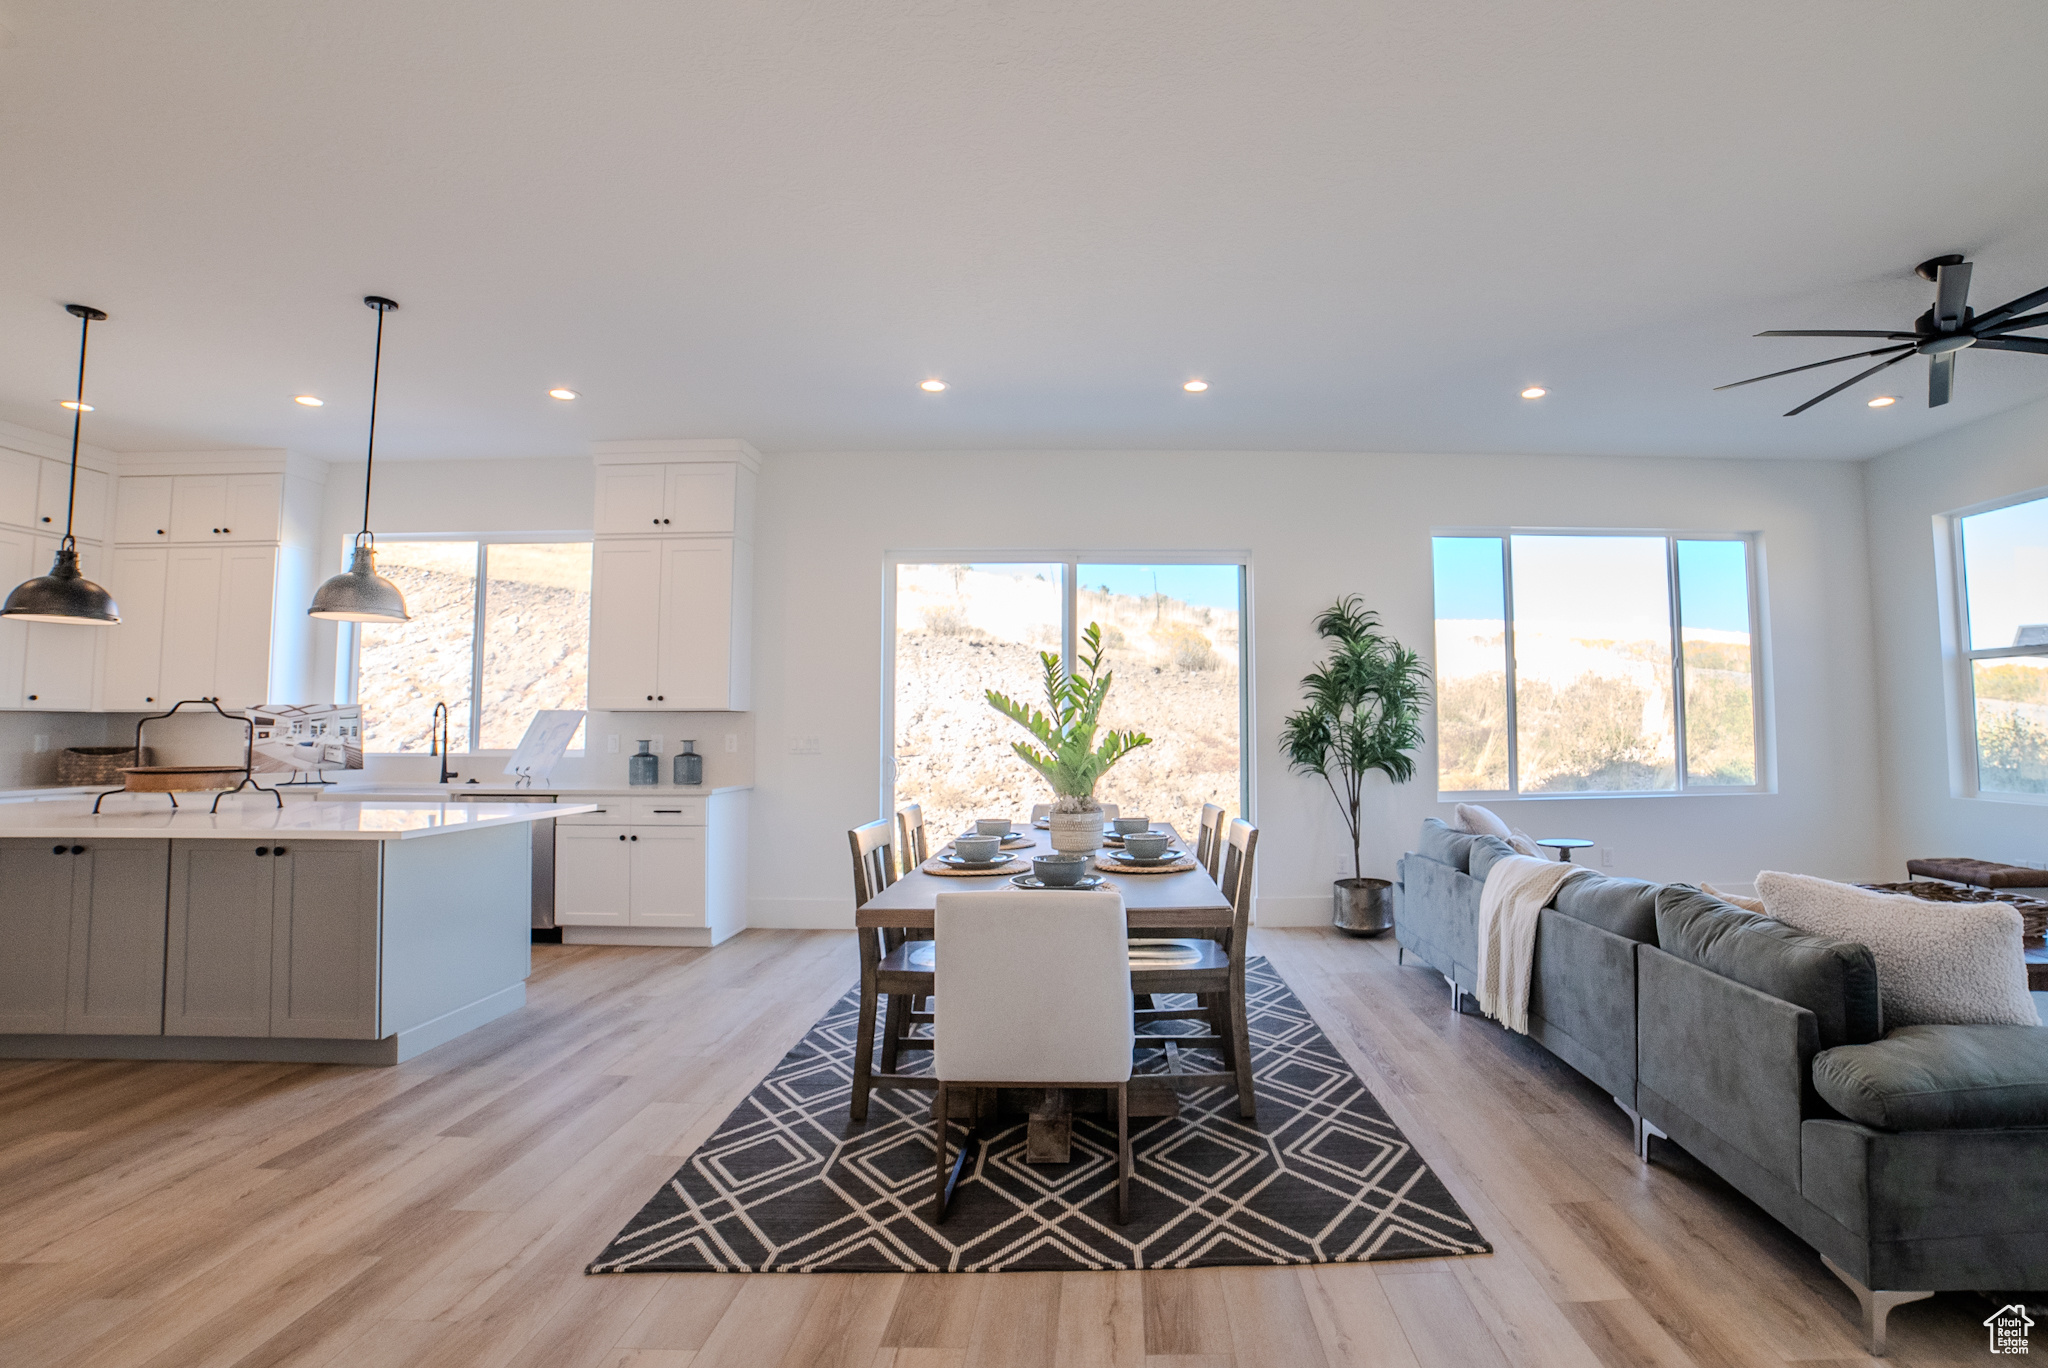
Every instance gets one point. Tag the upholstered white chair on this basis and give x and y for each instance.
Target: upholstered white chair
(1033, 991)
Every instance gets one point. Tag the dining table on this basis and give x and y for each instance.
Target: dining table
(1185, 903)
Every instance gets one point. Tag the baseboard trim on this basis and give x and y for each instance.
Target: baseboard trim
(392, 1049)
(687, 937)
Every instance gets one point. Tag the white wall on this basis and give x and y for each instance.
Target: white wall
(1316, 527)
(1918, 735)
(478, 497)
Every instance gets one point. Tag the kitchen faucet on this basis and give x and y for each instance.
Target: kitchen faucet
(437, 739)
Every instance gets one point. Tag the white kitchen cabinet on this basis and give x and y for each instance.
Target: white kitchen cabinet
(667, 875)
(593, 875)
(672, 873)
(20, 476)
(142, 509)
(88, 519)
(218, 508)
(668, 625)
(693, 499)
(217, 620)
(17, 552)
(60, 659)
(130, 679)
(631, 499)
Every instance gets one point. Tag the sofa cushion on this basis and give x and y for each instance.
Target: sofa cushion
(1627, 907)
(1440, 843)
(1938, 964)
(1835, 980)
(1484, 851)
(1940, 1078)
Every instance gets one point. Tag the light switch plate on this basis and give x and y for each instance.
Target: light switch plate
(611, 743)
(804, 745)
(42, 744)
(732, 743)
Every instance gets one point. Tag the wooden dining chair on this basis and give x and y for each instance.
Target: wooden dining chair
(1209, 840)
(1213, 971)
(1034, 992)
(902, 974)
(912, 847)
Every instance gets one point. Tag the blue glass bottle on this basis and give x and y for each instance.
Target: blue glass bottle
(689, 765)
(644, 768)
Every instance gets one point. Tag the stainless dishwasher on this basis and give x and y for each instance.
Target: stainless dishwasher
(543, 838)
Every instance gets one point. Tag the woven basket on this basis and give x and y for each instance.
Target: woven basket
(81, 766)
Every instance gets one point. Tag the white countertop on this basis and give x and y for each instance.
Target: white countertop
(361, 820)
(347, 791)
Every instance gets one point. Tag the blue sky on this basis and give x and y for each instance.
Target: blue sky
(1713, 578)
(1204, 586)
(2005, 560)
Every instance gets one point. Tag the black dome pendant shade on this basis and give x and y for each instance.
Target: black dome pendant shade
(359, 593)
(65, 595)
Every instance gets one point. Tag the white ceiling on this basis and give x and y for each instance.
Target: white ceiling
(1367, 224)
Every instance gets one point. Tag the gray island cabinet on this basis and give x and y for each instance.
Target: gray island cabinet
(357, 933)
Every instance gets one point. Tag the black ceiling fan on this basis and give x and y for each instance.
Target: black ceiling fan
(1938, 334)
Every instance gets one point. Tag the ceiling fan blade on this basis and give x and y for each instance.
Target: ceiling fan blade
(1951, 294)
(2012, 307)
(1811, 365)
(1828, 332)
(1941, 378)
(2020, 324)
(2023, 344)
(1850, 381)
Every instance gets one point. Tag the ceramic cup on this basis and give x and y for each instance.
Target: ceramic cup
(992, 826)
(1060, 871)
(1126, 825)
(977, 849)
(1147, 845)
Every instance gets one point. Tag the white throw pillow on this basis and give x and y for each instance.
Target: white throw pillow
(1938, 964)
(1481, 821)
(1735, 899)
(1475, 820)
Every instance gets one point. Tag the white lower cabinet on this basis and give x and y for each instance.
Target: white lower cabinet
(652, 870)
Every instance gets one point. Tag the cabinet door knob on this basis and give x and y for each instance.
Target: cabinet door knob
(57, 850)
(664, 522)
(32, 698)
(227, 530)
(78, 850)
(262, 850)
(622, 836)
(149, 700)
(159, 531)
(277, 850)
(46, 520)
(657, 521)
(661, 698)
(636, 838)
(216, 531)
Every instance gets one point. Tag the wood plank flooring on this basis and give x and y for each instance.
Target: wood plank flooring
(440, 1213)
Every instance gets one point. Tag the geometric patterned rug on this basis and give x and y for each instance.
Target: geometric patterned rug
(789, 1184)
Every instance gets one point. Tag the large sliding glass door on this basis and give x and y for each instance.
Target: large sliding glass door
(1173, 632)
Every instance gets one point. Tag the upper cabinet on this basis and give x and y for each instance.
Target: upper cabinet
(671, 597)
(35, 489)
(49, 666)
(201, 509)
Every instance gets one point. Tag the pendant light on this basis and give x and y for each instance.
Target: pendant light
(359, 593)
(65, 595)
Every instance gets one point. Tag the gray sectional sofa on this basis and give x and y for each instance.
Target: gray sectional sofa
(1913, 1162)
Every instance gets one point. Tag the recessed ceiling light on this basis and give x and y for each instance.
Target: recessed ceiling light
(933, 386)
(1884, 401)
(309, 400)
(1195, 386)
(74, 404)
(558, 392)
(1534, 392)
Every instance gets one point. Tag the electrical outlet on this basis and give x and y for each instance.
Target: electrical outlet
(732, 743)
(658, 739)
(611, 743)
(42, 744)
(804, 745)
(1607, 857)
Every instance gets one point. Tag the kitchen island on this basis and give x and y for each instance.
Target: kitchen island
(332, 932)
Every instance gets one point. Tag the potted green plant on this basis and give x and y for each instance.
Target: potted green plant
(1361, 713)
(1066, 753)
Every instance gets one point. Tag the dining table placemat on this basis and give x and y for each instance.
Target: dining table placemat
(937, 866)
(1110, 864)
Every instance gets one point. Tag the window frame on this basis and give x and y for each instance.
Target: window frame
(1070, 561)
(1752, 543)
(348, 649)
(1967, 757)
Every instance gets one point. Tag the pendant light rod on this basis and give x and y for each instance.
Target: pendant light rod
(382, 306)
(86, 316)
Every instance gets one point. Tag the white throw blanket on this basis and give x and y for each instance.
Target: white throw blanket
(1517, 887)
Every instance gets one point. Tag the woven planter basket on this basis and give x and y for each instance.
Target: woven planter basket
(80, 766)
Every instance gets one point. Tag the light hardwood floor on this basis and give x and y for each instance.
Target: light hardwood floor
(441, 1212)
